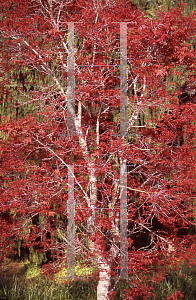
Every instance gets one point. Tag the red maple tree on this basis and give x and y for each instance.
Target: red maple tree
(157, 150)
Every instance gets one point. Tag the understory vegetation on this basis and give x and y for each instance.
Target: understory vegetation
(30, 284)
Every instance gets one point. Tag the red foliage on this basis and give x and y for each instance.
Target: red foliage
(160, 152)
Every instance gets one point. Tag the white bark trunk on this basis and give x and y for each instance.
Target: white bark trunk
(104, 283)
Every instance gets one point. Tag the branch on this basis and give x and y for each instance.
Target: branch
(64, 163)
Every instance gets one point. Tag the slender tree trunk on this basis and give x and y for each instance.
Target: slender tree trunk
(104, 283)
(104, 267)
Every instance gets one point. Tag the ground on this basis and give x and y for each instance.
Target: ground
(9, 268)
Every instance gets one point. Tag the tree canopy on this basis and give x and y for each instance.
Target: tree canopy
(112, 157)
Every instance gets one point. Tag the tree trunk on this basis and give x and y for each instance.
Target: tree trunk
(104, 267)
(104, 283)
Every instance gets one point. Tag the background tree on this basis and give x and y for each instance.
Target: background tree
(151, 5)
(36, 156)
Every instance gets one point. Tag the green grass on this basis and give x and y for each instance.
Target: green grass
(30, 285)
(183, 280)
(40, 288)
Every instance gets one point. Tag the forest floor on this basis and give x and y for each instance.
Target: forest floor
(9, 268)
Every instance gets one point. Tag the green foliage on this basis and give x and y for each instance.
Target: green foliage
(37, 258)
(151, 5)
(32, 270)
(19, 243)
